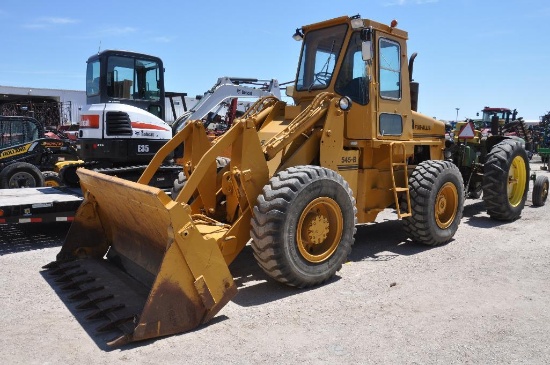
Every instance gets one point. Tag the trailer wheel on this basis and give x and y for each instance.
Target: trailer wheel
(52, 179)
(303, 225)
(540, 191)
(21, 175)
(505, 180)
(437, 201)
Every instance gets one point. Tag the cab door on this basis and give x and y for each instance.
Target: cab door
(393, 100)
(354, 81)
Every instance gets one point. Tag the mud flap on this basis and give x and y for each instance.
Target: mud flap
(136, 257)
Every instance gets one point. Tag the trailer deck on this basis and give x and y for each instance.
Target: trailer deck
(39, 205)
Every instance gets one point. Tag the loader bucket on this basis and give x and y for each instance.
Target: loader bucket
(136, 258)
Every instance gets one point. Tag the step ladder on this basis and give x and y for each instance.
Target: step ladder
(399, 190)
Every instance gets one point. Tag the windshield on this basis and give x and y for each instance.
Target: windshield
(17, 131)
(319, 55)
(487, 115)
(92, 78)
(130, 78)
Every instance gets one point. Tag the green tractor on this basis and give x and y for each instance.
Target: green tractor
(493, 165)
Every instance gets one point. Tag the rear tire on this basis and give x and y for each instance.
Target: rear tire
(21, 175)
(437, 199)
(52, 179)
(505, 180)
(303, 225)
(540, 191)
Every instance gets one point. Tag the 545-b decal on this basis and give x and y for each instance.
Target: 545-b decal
(348, 159)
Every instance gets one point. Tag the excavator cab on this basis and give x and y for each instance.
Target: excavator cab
(128, 78)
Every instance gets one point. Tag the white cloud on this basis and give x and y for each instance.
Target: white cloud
(59, 20)
(48, 22)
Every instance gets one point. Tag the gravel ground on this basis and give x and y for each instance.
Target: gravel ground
(481, 299)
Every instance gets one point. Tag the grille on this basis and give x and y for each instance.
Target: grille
(118, 123)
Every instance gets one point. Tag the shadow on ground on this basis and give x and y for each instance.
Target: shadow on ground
(32, 236)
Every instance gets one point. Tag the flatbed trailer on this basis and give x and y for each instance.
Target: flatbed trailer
(39, 205)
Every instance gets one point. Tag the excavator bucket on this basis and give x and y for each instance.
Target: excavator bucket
(138, 260)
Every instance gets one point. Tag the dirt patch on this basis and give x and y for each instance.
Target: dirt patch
(482, 298)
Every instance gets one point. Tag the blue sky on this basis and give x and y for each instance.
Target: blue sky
(471, 53)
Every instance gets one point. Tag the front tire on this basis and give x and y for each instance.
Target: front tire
(437, 201)
(52, 179)
(21, 175)
(505, 180)
(540, 191)
(303, 225)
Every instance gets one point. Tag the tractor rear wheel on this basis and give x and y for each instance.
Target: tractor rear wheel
(505, 180)
(21, 175)
(303, 225)
(540, 191)
(437, 201)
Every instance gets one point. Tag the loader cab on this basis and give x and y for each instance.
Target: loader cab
(364, 61)
(126, 77)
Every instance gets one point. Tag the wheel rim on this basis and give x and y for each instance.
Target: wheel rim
(446, 204)
(51, 183)
(21, 179)
(319, 229)
(517, 178)
(544, 191)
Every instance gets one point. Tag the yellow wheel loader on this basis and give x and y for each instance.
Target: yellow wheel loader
(298, 180)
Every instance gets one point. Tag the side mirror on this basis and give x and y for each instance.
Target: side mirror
(289, 91)
(366, 34)
(366, 50)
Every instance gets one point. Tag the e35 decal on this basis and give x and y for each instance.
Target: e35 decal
(143, 148)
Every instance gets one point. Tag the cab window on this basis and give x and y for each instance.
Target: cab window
(390, 69)
(352, 79)
(92, 78)
(320, 53)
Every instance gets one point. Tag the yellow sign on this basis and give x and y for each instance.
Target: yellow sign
(15, 151)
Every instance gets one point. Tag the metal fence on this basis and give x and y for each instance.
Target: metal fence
(50, 113)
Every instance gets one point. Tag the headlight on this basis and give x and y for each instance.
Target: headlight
(344, 103)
